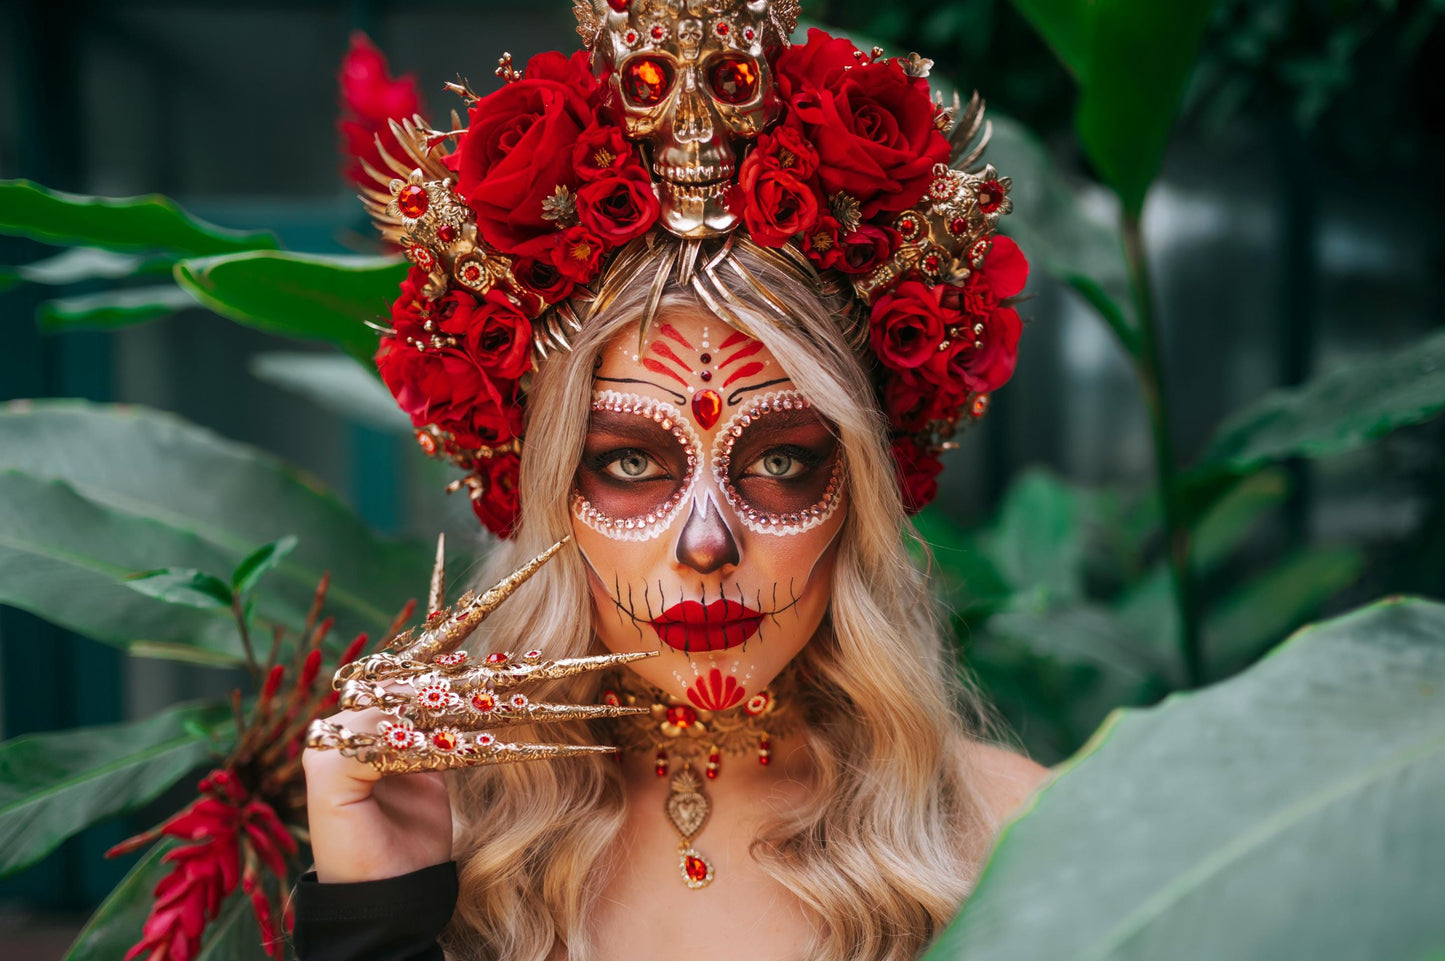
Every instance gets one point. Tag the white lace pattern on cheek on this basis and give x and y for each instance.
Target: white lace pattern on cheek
(651, 524)
(767, 522)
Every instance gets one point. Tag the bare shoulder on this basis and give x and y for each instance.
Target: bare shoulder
(1004, 779)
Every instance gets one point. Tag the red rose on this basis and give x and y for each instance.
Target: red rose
(917, 471)
(865, 248)
(499, 336)
(432, 386)
(872, 125)
(1004, 268)
(989, 365)
(578, 255)
(518, 149)
(370, 97)
(815, 65)
(496, 503)
(541, 279)
(907, 326)
(620, 206)
(488, 422)
(911, 400)
(785, 149)
(601, 150)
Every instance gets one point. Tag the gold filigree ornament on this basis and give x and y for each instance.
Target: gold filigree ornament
(441, 709)
(678, 730)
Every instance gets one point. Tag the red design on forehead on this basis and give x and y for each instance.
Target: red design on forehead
(658, 367)
(662, 350)
(747, 351)
(673, 334)
(746, 370)
(735, 338)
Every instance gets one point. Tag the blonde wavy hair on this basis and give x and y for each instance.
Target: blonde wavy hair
(884, 851)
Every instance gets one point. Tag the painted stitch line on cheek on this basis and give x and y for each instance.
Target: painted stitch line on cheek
(657, 520)
(767, 522)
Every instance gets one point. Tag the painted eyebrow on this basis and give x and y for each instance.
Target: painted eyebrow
(678, 398)
(736, 395)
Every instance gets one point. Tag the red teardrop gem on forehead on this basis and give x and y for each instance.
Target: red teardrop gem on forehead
(706, 408)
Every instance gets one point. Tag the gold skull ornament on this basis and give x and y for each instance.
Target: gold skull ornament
(690, 79)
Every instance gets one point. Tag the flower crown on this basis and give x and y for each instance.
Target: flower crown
(699, 119)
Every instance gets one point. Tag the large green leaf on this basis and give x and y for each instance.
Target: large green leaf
(85, 263)
(1291, 812)
(230, 496)
(1242, 625)
(54, 785)
(113, 308)
(1037, 543)
(116, 925)
(125, 224)
(305, 296)
(1336, 412)
(66, 558)
(335, 383)
(1131, 59)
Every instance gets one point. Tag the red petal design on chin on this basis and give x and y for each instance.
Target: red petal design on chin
(716, 691)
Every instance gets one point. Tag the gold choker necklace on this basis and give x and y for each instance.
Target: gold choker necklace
(680, 731)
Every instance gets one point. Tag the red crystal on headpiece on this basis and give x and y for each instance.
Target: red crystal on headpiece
(990, 196)
(619, 5)
(412, 201)
(446, 233)
(706, 408)
(646, 81)
(735, 81)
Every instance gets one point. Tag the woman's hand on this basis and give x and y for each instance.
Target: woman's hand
(366, 826)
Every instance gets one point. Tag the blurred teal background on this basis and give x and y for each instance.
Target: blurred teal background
(1296, 225)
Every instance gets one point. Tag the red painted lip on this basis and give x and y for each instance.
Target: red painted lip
(693, 627)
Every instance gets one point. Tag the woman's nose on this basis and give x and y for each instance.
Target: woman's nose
(706, 544)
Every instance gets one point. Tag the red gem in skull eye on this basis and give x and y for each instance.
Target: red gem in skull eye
(646, 81)
(734, 80)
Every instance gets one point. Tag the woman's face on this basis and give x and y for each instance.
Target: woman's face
(707, 506)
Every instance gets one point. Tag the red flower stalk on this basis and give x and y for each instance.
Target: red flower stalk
(245, 826)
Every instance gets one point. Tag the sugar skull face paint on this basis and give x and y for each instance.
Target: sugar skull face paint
(707, 505)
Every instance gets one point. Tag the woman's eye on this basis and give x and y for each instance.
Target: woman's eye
(777, 465)
(632, 465)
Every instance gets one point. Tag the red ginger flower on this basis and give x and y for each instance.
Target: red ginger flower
(241, 830)
(370, 97)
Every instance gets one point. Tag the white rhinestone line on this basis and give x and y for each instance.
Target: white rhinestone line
(653, 523)
(766, 522)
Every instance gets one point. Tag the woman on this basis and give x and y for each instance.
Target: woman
(711, 434)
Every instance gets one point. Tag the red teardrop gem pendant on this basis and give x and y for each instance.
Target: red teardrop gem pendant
(696, 872)
(706, 408)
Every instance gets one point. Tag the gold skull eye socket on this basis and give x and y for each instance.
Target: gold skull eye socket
(734, 80)
(646, 81)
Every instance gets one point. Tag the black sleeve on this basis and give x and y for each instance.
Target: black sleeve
(394, 919)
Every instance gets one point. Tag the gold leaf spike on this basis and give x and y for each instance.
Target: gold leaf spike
(971, 133)
(436, 597)
(654, 296)
(472, 610)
